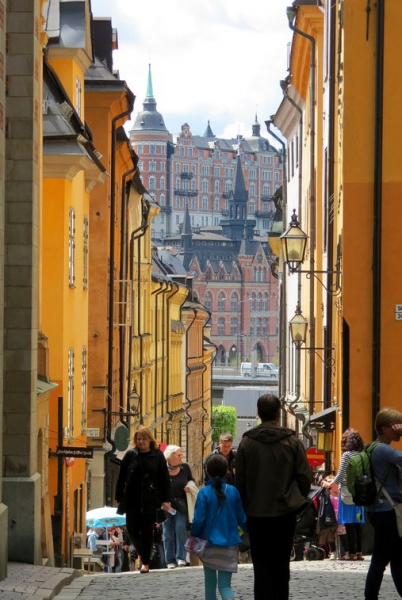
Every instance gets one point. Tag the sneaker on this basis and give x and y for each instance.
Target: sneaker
(331, 556)
(181, 563)
(171, 566)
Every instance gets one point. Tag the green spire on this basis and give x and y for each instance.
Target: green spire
(150, 93)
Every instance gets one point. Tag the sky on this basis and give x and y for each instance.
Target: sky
(211, 60)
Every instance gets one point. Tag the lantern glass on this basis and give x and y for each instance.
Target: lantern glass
(324, 440)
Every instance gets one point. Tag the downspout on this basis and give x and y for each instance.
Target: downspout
(108, 454)
(176, 289)
(134, 237)
(283, 301)
(162, 288)
(312, 207)
(124, 292)
(330, 200)
(188, 373)
(377, 237)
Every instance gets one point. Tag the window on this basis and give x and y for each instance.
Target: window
(216, 171)
(233, 326)
(208, 301)
(84, 366)
(216, 220)
(177, 219)
(265, 189)
(228, 187)
(181, 151)
(85, 252)
(178, 167)
(162, 167)
(140, 149)
(70, 393)
(265, 302)
(152, 183)
(162, 183)
(152, 149)
(221, 326)
(234, 302)
(190, 152)
(71, 247)
(216, 187)
(251, 207)
(185, 168)
(252, 189)
(177, 202)
(204, 170)
(162, 219)
(258, 305)
(276, 175)
(204, 186)
(216, 204)
(152, 166)
(205, 204)
(192, 203)
(221, 301)
(162, 200)
(177, 183)
(252, 302)
(252, 174)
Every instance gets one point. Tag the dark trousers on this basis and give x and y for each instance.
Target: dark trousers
(140, 528)
(271, 542)
(354, 537)
(387, 549)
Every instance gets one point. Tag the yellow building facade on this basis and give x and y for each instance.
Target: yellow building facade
(344, 180)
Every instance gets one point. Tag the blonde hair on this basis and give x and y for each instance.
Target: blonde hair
(386, 418)
(146, 432)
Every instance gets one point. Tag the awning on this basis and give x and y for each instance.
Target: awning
(325, 416)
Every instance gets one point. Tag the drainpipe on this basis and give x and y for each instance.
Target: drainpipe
(108, 454)
(175, 290)
(291, 13)
(282, 383)
(377, 237)
(162, 288)
(124, 295)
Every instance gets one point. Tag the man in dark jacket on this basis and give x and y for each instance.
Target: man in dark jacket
(224, 448)
(273, 478)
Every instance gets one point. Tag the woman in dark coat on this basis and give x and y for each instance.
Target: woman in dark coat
(144, 485)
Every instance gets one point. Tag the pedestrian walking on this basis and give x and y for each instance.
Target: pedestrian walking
(218, 515)
(386, 463)
(349, 514)
(273, 478)
(143, 487)
(175, 526)
(225, 447)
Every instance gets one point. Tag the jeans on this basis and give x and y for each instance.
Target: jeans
(222, 578)
(387, 549)
(174, 538)
(271, 542)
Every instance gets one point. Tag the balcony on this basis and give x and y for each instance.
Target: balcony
(185, 192)
(186, 175)
(260, 214)
(266, 198)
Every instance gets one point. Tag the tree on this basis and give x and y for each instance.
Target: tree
(223, 420)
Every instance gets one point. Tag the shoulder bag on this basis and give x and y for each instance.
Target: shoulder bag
(397, 509)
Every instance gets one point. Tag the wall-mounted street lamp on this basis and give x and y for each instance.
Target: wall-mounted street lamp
(294, 242)
(134, 402)
(298, 333)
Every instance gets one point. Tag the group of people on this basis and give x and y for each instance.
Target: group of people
(258, 491)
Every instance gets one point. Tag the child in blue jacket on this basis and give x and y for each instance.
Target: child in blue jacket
(218, 514)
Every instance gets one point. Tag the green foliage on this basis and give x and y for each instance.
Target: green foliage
(223, 420)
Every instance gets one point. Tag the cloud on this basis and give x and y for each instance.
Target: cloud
(217, 59)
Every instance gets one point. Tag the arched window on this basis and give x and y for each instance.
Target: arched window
(254, 274)
(264, 274)
(162, 183)
(252, 189)
(216, 187)
(152, 183)
(265, 189)
(252, 302)
(265, 302)
(233, 326)
(204, 186)
(221, 326)
(234, 300)
(221, 301)
(162, 200)
(258, 305)
(208, 300)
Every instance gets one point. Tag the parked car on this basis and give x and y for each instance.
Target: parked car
(262, 370)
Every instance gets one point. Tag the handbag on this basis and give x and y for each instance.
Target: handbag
(195, 546)
(346, 496)
(397, 510)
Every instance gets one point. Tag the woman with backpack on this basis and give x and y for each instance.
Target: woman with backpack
(386, 463)
(218, 515)
(349, 514)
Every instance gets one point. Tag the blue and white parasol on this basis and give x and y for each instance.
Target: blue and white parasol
(105, 516)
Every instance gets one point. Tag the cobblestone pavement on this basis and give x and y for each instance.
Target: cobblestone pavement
(330, 580)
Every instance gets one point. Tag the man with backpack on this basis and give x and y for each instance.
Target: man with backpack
(386, 464)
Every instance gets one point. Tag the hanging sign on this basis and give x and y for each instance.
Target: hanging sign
(70, 451)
